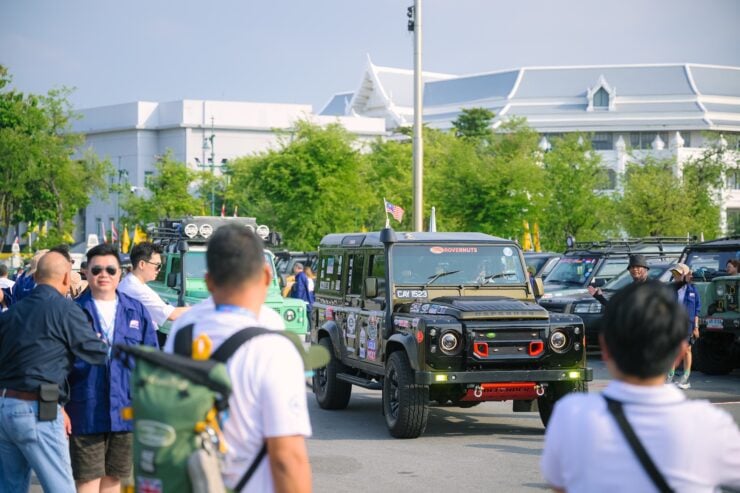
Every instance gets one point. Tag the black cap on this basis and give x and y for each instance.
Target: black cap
(638, 260)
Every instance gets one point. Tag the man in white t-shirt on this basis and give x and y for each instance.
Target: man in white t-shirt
(146, 259)
(694, 445)
(268, 400)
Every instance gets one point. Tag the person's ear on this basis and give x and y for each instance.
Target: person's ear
(209, 283)
(267, 272)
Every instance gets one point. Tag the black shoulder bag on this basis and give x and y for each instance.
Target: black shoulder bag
(615, 408)
(184, 346)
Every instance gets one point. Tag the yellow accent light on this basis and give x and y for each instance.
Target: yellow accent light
(574, 374)
(440, 378)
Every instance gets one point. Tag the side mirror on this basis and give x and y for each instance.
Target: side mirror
(597, 283)
(371, 287)
(172, 279)
(182, 246)
(539, 287)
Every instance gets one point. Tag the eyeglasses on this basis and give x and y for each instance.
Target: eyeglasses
(95, 271)
(155, 264)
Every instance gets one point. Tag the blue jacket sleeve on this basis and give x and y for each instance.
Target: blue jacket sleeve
(301, 287)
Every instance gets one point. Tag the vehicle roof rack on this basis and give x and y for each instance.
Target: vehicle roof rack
(197, 229)
(650, 244)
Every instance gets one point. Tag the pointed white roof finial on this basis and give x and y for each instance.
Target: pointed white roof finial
(658, 144)
(620, 144)
(677, 141)
(544, 144)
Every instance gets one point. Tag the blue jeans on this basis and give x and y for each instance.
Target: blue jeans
(26, 442)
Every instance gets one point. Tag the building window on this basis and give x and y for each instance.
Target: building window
(733, 179)
(644, 140)
(733, 222)
(602, 141)
(601, 98)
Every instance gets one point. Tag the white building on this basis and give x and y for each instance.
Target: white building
(134, 135)
(662, 109)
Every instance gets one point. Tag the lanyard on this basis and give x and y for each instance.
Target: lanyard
(234, 309)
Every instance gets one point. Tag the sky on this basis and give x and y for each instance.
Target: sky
(301, 51)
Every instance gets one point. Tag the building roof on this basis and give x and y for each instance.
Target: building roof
(555, 99)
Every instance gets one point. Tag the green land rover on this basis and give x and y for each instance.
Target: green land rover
(181, 280)
(438, 318)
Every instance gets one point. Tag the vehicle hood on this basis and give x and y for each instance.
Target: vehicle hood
(472, 307)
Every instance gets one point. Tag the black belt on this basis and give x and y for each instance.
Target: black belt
(20, 394)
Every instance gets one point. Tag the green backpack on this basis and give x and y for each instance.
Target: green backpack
(175, 405)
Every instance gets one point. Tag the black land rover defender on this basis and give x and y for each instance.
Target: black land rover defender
(448, 318)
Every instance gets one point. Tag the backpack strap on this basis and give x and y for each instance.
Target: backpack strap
(222, 354)
(616, 409)
(234, 342)
(184, 341)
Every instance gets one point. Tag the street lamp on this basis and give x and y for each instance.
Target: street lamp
(208, 144)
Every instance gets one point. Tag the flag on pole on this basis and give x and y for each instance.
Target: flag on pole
(236, 208)
(433, 221)
(103, 234)
(223, 209)
(113, 232)
(125, 241)
(394, 210)
(139, 235)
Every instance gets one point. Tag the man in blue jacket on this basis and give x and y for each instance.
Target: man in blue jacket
(301, 289)
(101, 444)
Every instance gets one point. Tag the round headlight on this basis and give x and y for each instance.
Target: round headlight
(720, 290)
(558, 340)
(449, 342)
(289, 315)
(191, 230)
(263, 231)
(206, 230)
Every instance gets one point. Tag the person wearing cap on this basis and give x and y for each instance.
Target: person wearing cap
(268, 413)
(638, 269)
(688, 296)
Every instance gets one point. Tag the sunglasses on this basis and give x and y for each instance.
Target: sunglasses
(156, 265)
(98, 269)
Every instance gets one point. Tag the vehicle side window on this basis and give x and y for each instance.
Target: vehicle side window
(376, 269)
(354, 269)
(331, 273)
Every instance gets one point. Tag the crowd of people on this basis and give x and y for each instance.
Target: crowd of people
(63, 389)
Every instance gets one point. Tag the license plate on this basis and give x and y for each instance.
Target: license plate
(715, 323)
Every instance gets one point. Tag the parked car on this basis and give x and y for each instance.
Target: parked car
(541, 263)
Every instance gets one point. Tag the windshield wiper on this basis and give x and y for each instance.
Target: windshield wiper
(437, 276)
(494, 276)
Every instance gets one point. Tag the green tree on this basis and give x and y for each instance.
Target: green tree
(573, 175)
(474, 123)
(313, 184)
(40, 178)
(169, 194)
(388, 174)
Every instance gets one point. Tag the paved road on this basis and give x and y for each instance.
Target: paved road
(485, 448)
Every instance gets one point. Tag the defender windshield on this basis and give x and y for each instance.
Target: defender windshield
(708, 264)
(572, 271)
(195, 265)
(456, 265)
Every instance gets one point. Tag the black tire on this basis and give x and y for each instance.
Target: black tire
(405, 403)
(713, 355)
(554, 392)
(331, 393)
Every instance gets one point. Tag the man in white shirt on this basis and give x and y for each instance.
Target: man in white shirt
(4, 281)
(268, 402)
(694, 445)
(146, 259)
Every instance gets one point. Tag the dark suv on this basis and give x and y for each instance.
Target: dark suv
(448, 318)
(717, 351)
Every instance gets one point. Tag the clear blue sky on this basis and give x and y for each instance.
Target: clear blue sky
(303, 51)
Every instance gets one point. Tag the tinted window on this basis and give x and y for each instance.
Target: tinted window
(330, 271)
(574, 271)
(354, 269)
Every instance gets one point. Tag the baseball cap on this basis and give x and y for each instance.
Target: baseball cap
(681, 269)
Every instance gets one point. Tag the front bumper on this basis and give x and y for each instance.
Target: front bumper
(491, 376)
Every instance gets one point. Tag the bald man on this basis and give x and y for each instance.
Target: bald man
(40, 336)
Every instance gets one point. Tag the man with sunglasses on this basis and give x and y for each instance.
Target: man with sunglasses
(101, 445)
(146, 259)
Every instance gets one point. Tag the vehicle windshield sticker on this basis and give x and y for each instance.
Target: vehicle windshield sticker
(330, 265)
(577, 260)
(351, 319)
(411, 293)
(437, 250)
(508, 252)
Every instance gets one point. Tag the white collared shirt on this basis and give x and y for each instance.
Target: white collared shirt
(695, 445)
(158, 310)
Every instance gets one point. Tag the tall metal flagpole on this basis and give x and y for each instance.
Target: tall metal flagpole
(418, 143)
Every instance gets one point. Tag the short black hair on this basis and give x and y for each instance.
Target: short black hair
(643, 327)
(103, 250)
(62, 250)
(3, 270)
(235, 254)
(144, 251)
